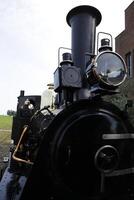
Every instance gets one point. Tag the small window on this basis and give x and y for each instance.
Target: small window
(128, 59)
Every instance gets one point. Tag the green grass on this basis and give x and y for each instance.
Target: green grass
(5, 137)
(5, 122)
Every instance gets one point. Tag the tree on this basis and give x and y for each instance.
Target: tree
(11, 112)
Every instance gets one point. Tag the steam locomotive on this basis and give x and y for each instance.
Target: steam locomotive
(79, 146)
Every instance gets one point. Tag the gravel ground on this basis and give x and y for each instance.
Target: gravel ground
(4, 147)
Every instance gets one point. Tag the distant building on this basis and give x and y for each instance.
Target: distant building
(124, 42)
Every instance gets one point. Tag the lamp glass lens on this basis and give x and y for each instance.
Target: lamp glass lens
(111, 68)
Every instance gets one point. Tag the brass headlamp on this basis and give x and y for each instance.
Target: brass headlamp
(108, 69)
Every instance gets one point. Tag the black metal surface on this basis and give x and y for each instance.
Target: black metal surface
(67, 57)
(83, 21)
(23, 114)
(65, 162)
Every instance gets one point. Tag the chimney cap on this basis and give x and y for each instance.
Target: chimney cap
(84, 9)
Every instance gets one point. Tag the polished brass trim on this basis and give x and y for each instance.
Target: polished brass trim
(17, 147)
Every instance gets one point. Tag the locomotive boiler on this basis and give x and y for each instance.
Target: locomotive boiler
(80, 146)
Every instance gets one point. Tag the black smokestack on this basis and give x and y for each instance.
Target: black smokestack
(83, 21)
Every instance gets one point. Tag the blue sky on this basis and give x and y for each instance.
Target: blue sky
(31, 31)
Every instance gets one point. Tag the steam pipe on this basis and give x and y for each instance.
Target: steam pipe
(83, 21)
